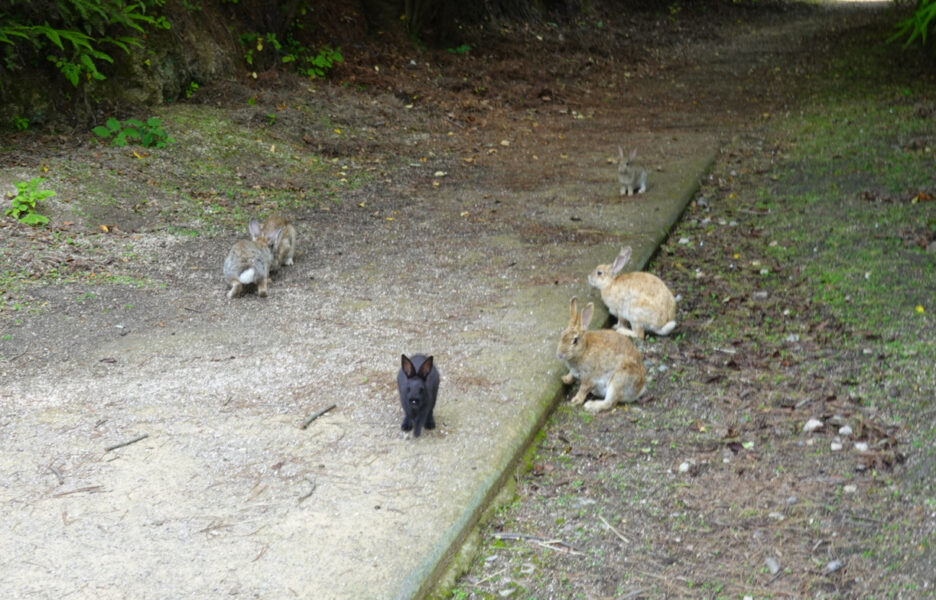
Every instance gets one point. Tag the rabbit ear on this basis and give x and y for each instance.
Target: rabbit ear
(254, 228)
(621, 152)
(633, 154)
(407, 366)
(621, 260)
(573, 311)
(587, 313)
(425, 368)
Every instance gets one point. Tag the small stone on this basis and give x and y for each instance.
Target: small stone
(792, 500)
(851, 488)
(792, 338)
(772, 565)
(759, 295)
(861, 446)
(836, 445)
(685, 466)
(845, 430)
(776, 516)
(811, 425)
(683, 241)
(833, 566)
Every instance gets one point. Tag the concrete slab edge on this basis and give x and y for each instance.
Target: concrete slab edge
(424, 580)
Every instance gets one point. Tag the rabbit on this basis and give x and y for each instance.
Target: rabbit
(638, 297)
(249, 261)
(605, 363)
(418, 383)
(633, 180)
(283, 250)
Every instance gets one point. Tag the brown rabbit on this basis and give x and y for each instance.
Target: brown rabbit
(605, 363)
(249, 261)
(638, 297)
(285, 248)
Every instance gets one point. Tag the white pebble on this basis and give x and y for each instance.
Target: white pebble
(812, 425)
(845, 430)
(861, 446)
(851, 488)
(836, 445)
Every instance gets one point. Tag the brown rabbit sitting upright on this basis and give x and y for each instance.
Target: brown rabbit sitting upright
(638, 297)
(285, 247)
(606, 363)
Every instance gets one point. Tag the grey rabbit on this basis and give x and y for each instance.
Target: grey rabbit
(250, 261)
(418, 383)
(633, 180)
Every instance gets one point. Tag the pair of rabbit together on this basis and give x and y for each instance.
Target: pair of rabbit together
(605, 361)
(272, 244)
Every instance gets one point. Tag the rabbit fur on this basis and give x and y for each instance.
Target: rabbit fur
(249, 261)
(633, 180)
(638, 297)
(418, 384)
(285, 248)
(606, 363)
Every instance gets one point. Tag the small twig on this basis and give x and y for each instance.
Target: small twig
(90, 488)
(491, 576)
(127, 443)
(615, 531)
(261, 553)
(633, 594)
(316, 415)
(58, 474)
(539, 541)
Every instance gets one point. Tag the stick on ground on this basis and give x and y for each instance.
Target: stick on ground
(127, 443)
(316, 415)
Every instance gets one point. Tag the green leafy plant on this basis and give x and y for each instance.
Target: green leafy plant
(148, 134)
(462, 49)
(75, 35)
(918, 26)
(21, 123)
(304, 60)
(320, 64)
(191, 89)
(24, 203)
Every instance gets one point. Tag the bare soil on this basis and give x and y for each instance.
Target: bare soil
(601, 512)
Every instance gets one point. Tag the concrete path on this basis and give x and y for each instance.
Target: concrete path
(227, 495)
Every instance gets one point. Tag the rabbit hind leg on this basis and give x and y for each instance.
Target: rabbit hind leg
(236, 288)
(612, 396)
(635, 331)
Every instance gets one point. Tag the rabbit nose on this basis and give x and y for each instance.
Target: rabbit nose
(414, 401)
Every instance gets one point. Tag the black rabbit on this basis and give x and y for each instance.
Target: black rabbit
(418, 382)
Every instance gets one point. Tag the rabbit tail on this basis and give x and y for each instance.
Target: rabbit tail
(247, 276)
(666, 329)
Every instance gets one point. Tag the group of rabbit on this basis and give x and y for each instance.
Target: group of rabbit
(605, 361)
(271, 245)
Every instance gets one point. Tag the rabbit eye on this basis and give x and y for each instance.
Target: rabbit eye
(575, 340)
